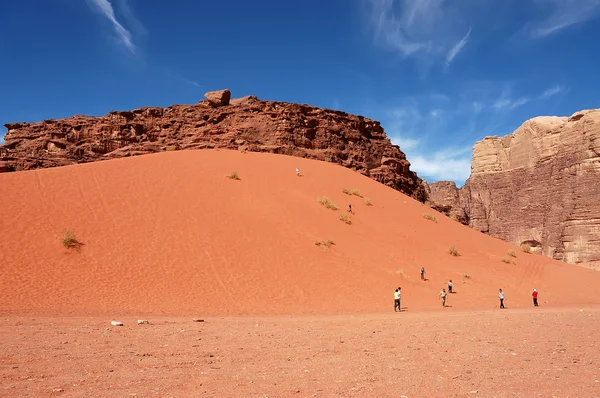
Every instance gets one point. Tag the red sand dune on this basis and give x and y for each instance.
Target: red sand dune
(169, 234)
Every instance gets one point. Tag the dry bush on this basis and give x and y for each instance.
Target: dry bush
(327, 203)
(453, 251)
(345, 218)
(466, 276)
(511, 253)
(233, 176)
(325, 243)
(368, 202)
(505, 260)
(429, 217)
(356, 192)
(346, 191)
(70, 241)
(526, 248)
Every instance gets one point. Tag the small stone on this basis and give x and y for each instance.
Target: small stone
(116, 323)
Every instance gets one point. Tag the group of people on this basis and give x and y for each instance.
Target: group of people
(443, 294)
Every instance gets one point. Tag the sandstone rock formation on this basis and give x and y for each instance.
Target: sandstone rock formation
(249, 123)
(538, 186)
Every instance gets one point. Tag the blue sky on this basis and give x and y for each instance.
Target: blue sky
(438, 74)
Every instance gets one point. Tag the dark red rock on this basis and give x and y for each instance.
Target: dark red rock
(262, 126)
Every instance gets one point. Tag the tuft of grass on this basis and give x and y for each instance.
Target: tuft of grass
(427, 203)
(429, 217)
(70, 241)
(526, 248)
(352, 191)
(368, 202)
(171, 148)
(325, 243)
(453, 217)
(327, 203)
(514, 262)
(243, 150)
(401, 273)
(356, 192)
(505, 260)
(345, 218)
(511, 253)
(466, 276)
(233, 176)
(453, 251)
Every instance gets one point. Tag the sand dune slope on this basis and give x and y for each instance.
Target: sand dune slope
(170, 234)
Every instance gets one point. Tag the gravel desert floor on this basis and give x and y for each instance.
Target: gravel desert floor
(543, 352)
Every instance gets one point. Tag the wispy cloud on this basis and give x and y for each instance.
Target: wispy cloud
(508, 103)
(563, 14)
(418, 28)
(457, 48)
(443, 165)
(106, 9)
(551, 92)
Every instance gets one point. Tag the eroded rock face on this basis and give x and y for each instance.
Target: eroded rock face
(538, 186)
(292, 129)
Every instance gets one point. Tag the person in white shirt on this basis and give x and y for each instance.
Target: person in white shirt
(501, 297)
(397, 297)
(297, 171)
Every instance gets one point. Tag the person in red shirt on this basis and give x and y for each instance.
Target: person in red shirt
(534, 295)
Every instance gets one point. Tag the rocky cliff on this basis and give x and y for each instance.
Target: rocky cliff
(246, 124)
(538, 186)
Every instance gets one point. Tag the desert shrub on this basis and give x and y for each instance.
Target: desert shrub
(429, 217)
(243, 150)
(453, 251)
(368, 202)
(356, 192)
(453, 217)
(171, 148)
(466, 276)
(346, 191)
(427, 203)
(505, 260)
(233, 176)
(511, 253)
(526, 248)
(325, 243)
(70, 241)
(345, 218)
(327, 203)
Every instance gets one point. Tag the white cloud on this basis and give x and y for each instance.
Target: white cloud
(457, 47)
(441, 166)
(552, 91)
(563, 14)
(508, 103)
(106, 8)
(419, 27)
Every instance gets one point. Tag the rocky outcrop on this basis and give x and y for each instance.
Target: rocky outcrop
(245, 123)
(538, 186)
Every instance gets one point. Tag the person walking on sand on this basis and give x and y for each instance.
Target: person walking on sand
(501, 297)
(423, 273)
(443, 297)
(534, 295)
(450, 286)
(397, 295)
(349, 208)
(298, 172)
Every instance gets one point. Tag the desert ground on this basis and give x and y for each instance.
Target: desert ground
(510, 353)
(169, 237)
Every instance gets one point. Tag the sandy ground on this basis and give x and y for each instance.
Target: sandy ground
(169, 234)
(539, 352)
